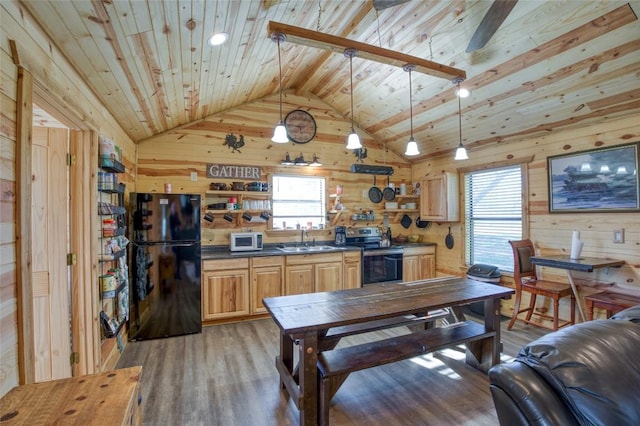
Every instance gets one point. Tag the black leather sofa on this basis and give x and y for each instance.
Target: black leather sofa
(585, 374)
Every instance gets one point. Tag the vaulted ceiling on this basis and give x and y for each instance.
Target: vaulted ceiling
(549, 65)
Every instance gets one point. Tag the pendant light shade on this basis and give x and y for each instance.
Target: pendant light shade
(280, 132)
(412, 148)
(412, 145)
(461, 152)
(353, 141)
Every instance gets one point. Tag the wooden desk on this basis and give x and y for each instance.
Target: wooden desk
(305, 319)
(583, 264)
(109, 398)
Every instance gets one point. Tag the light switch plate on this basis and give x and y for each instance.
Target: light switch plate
(194, 176)
(618, 236)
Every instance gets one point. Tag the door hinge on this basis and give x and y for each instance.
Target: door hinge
(75, 358)
(71, 259)
(71, 159)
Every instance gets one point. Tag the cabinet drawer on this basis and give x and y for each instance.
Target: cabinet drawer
(258, 262)
(352, 256)
(411, 251)
(305, 259)
(221, 264)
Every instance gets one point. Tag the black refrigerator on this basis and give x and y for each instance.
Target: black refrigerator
(165, 266)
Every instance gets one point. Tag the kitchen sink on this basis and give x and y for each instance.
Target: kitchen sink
(306, 249)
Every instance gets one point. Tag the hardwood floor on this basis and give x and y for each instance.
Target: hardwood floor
(226, 376)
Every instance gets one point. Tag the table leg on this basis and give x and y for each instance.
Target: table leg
(492, 322)
(574, 288)
(286, 354)
(308, 379)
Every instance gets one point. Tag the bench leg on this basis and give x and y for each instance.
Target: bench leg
(328, 388)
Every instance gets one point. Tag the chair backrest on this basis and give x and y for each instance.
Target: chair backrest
(522, 266)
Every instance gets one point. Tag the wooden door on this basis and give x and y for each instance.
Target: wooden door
(226, 294)
(266, 282)
(410, 268)
(49, 246)
(299, 279)
(328, 276)
(352, 270)
(427, 266)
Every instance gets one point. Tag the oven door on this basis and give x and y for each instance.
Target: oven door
(382, 266)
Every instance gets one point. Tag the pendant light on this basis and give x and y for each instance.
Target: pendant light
(412, 146)
(280, 132)
(353, 141)
(461, 152)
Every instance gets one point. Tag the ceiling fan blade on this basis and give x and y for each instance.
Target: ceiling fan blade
(383, 4)
(495, 16)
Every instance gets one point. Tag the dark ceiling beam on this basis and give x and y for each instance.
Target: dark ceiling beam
(365, 51)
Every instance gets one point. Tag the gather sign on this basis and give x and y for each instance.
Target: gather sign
(229, 171)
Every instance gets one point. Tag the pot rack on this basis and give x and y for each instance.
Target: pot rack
(337, 44)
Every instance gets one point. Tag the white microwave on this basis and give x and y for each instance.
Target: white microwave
(245, 241)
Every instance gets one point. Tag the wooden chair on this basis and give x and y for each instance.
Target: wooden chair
(524, 274)
(610, 301)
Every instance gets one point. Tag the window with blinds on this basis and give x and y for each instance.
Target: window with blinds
(298, 201)
(493, 213)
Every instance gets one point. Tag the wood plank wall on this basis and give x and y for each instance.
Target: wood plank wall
(552, 232)
(172, 156)
(59, 85)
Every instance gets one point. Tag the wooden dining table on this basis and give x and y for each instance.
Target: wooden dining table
(306, 321)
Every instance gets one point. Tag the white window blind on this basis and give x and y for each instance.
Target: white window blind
(298, 200)
(493, 212)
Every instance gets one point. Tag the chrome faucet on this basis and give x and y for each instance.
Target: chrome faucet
(302, 233)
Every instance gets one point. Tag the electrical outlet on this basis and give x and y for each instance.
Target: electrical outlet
(618, 236)
(194, 176)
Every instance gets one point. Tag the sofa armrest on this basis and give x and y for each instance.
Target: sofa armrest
(630, 314)
(522, 397)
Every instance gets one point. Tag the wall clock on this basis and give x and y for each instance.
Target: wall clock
(300, 125)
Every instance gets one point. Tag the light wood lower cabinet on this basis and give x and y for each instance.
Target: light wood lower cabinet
(267, 280)
(311, 273)
(225, 288)
(299, 279)
(352, 270)
(235, 287)
(419, 263)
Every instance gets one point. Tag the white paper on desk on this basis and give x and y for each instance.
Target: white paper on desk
(576, 245)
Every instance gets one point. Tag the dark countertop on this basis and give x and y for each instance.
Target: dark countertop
(584, 264)
(222, 252)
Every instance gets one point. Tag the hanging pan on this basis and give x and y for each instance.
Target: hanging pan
(422, 223)
(405, 221)
(389, 193)
(448, 240)
(375, 195)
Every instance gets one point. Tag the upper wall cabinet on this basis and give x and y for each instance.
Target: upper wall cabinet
(439, 200)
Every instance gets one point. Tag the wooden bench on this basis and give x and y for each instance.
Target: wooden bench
(609, 301)
(334, 366)
(333, 336)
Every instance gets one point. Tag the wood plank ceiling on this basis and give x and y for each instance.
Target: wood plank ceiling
(550, 65)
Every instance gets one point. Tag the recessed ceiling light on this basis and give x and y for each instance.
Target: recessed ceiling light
(218, 38)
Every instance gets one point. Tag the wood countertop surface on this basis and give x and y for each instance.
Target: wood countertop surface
(108, 398)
